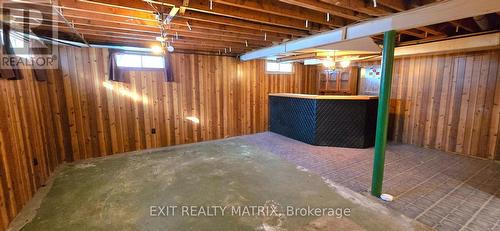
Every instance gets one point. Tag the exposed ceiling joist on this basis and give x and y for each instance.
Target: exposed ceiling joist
(431, 14)
(286, 10)
(258, 23)
(221, 18)
(362, 6)
(327, 8)
(462, 25)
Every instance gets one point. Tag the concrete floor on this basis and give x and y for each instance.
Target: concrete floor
(115, 193)
(444, 191)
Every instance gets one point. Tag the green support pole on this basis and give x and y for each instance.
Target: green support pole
(383, 112)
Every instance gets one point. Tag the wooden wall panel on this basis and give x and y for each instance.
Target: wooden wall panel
(448, 102)
(77, 114)
(227, 97)
(32, 138)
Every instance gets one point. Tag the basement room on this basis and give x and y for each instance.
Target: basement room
(263, 115)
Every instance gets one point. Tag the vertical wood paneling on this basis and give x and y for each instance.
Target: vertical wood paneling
(33, 138)
(76, 114)
(448, 102)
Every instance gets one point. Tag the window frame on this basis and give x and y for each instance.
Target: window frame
(139, 68)
(280, 72)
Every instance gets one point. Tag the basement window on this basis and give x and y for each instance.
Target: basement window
(140, 61)
(279, 68)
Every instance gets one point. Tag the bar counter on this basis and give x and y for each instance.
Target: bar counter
(325, 120)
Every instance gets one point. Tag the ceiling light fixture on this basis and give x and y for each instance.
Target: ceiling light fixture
(328, 63)
(170, 48)
(345, 63)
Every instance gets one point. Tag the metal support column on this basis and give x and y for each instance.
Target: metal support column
(383, 112)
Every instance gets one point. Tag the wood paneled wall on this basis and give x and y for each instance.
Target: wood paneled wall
(33, 131)
(227, 97)
(77, 114)
(448, 102)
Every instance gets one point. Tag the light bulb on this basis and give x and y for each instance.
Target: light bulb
(156, 49)
(170, 48)
(328, 63)
(345, 63)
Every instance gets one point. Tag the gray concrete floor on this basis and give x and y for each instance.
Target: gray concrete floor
(442, 190)
(115, 193)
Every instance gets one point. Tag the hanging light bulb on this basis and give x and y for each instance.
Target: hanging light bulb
(156, 49)
(328, 63)
(345, 63)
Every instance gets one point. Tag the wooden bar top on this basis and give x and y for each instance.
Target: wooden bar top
(332, 97)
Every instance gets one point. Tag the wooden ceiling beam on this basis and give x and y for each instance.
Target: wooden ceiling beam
(85, 29)
(141, 13)
(412, 33)
(128, 18)
(430, 30)
(102, 24)
(285, 10)
(328, 8)
(362, 6)
(197, 16)
(398, 5)
(248, 15)
(462, 25)
(152, 41)
(102, 40)
(178, 47)
(353, 5)
(199, 10)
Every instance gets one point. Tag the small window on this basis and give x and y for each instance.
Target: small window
(279, 68)
(139, 61)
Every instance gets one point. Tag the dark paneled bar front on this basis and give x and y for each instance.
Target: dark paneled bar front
(339, 121)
